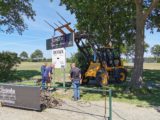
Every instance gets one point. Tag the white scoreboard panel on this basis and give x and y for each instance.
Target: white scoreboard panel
(59, 57)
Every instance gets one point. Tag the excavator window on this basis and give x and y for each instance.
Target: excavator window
(109, 57)
(116, 58)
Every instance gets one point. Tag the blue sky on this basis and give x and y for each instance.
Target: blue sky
(38, 31)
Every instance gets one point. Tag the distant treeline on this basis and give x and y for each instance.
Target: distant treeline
(36, 56)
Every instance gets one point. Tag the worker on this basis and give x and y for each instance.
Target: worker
(43, 67)
(75, 75)
(48, 75)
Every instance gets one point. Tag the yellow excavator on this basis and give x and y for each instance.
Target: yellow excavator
(109, 69)
(106, 64)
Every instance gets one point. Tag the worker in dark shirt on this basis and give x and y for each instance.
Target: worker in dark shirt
(48, 75)
(75, 75)
(43, 67)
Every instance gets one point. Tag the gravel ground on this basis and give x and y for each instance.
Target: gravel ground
(71, 110)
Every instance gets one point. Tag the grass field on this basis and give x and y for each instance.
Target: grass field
(27, 72)
(31, 71)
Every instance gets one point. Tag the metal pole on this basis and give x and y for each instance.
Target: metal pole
(110, 104)
(54, 73)
(64, 78)
(105, 111)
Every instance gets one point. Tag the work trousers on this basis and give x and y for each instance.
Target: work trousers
(76, 89)
(44, 79)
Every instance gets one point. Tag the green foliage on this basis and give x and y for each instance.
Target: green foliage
(146, 46)
(155, 50)
(107, 20)
(68, 60)
(158, 60)
(12, 13)
(80, 61)
(37, 55)
(153, 19)
(8, 60)
(129, 50)
(110, 20)
(24, 56)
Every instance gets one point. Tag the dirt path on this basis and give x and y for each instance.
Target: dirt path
(82, 111)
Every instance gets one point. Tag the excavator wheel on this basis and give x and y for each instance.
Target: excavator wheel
(122, 73)
(105, 79)
(85, 81)
(102, 78)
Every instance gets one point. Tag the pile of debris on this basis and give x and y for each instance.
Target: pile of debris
(49, 101)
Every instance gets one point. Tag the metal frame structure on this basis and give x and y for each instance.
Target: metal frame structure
(60, 27)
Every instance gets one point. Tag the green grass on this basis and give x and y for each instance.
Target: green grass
(31, 70)
(27, 72)
(141, 97)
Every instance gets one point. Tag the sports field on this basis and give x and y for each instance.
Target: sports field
(28, 72)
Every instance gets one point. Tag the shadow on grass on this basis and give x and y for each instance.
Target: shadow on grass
(94, 115)
(60, 84)
(152, 76)
(85, 93)
(150, 93)
(25, 75)
(20, 75)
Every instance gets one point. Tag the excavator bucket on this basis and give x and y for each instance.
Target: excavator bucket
(92, 70)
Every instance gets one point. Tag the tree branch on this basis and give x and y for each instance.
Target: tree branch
(152, 6)
(138, 4)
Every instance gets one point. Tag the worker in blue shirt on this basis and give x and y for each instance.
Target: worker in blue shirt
(48, 75)
(43, 68)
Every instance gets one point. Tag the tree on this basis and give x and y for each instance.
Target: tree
(129, 50)
(75, 58)
(12, 13)
(24, 55)
(9, 61)
(106, 20)
(37, 55)
(121, 22)
(155, 50)
(146, 16)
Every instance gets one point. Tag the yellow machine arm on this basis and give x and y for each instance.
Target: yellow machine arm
(92, 70)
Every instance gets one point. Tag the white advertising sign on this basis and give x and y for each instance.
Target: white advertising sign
(59, 57)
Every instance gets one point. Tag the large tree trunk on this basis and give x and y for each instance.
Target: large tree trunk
(141, 17)
(137, 75)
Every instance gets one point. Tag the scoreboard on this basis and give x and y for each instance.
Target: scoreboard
(60, 41)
